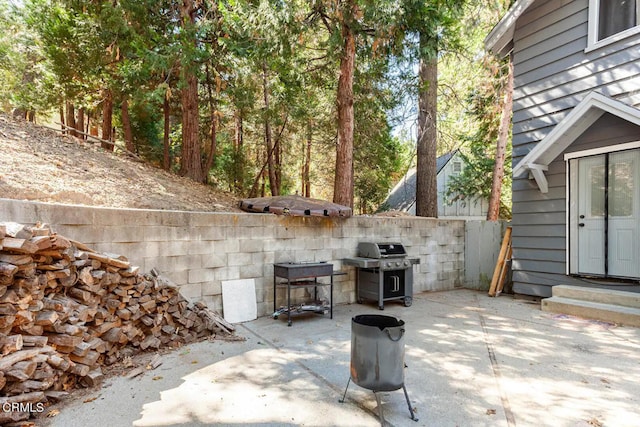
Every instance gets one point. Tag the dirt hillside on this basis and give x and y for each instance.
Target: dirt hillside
(40, 164)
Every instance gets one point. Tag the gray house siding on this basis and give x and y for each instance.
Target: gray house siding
(552, 75)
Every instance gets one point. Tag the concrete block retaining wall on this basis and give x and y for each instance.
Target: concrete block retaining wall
(200, 250)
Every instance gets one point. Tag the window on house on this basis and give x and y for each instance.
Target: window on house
(615, 16)
(457, 168)
(612, 20)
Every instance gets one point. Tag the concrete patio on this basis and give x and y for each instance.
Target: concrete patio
(471, 361)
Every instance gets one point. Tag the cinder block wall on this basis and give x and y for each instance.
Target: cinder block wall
(200, 250)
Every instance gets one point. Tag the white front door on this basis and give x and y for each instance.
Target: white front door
(624, 214)
(591, 209)
(605, 214)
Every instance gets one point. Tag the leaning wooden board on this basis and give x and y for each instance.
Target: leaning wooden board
(499, 272)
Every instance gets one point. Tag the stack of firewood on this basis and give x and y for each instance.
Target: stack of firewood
(66, 311)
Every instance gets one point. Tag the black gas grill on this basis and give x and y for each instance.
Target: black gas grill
(383, 273)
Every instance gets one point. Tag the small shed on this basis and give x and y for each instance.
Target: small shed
(403, 196)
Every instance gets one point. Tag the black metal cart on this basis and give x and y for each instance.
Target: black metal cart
(298, 275)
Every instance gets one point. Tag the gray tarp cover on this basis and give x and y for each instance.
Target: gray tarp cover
(294, 206)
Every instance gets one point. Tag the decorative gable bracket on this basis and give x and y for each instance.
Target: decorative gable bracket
(537, 172)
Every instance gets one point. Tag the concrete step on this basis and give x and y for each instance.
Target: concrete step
(604, 296)
(628, 316)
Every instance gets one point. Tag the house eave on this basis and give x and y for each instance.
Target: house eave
(583, 115)
(499, 41)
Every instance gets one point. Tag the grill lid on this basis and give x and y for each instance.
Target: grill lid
(381, 250)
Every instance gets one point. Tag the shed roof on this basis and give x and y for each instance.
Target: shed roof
(403, 195)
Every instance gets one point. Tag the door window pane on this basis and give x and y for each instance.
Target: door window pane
(621, 187)
(596, 206)
(615, 16)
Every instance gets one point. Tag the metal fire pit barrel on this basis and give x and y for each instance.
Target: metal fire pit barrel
(377, 352)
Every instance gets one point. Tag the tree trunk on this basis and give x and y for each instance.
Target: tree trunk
(126, 126)
(273, 180)
(238, 147)
(277, 159)
(93, 128)
(211, 156)
(277, 152)
(343, 182)
(166, 157)
(263, 180)
(107, 119)
(80, 123)
(426, 173)
(501, 148)
(191, 163)
(62, 121)
(306, 168)
(71, 118)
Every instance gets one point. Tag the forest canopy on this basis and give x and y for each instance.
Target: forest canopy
(255, 96)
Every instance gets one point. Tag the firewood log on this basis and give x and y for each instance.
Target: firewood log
(89, 359)
(21, 246)
(12, 343)
(21, 371)
(7, 269)
(59, 362)
(42, 242)
(18, 356)
(16, 230)
(15, 259)
(46, 318)
(7, 309)
(44, 371)
(34, 341)
(79, 369)
(64, 340)
(93, 378)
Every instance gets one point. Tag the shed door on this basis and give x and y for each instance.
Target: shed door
(606, 206)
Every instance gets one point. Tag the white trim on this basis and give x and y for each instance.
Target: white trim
(583, 115)
(592, 33)
(567, 237)
(592, 25)
(612, 39)
(602, 150)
